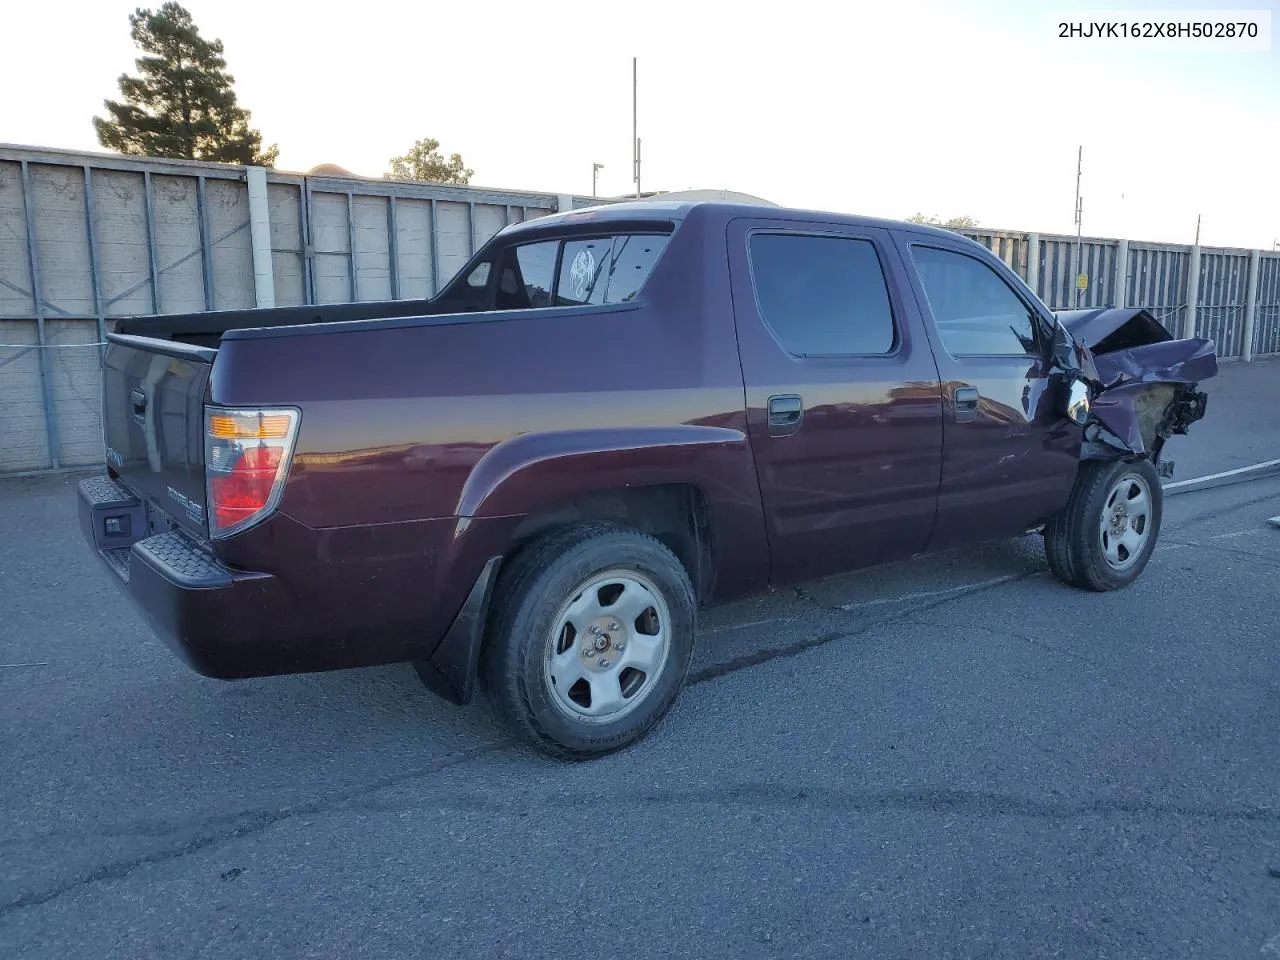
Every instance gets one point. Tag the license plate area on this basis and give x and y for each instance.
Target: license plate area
(158, 521)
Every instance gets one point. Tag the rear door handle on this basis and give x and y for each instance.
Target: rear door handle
(139, 401)
(966, 402)
(785, 414)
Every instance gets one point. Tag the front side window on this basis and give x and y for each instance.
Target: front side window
(975, 311)
(822, 295)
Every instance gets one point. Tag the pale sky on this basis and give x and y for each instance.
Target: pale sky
(964, 107)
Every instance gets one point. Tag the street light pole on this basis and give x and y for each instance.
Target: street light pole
(595, 168)
(635, 124)
(1079, 222)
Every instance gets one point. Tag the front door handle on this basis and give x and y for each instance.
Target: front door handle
(965, 400)
(138, 400)
(785, 414)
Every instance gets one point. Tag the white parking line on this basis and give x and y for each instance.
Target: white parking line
(1252, 468)
(926, 595)
(1238, 533)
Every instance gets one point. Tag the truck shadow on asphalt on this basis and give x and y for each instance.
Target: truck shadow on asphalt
(359, 709)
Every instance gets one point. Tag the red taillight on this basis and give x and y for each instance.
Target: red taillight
(238, 495)
(246, 460)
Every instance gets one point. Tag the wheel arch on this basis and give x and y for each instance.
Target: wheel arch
(693, 486)
(676, 514)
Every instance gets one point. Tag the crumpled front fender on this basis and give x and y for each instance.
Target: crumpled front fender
(1148, 393)
(1143, 381)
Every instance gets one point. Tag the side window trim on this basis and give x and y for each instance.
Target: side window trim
(555, 272)
(895, 314)
(1037, 322)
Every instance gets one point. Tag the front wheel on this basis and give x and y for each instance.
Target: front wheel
(590, 639)
(1104, 536)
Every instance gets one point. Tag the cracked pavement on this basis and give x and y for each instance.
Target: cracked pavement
(954, 756)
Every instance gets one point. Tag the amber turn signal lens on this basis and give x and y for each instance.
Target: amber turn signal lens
(249, 426)
(246, 463)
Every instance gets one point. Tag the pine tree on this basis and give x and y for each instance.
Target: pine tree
(183, 104)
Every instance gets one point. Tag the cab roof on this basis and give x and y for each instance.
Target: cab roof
(676, 211)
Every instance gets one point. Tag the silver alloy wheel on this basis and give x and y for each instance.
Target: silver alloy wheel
(608, 646)
(1126, 521)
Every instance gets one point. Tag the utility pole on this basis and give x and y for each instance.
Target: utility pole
(595, 169)
(1197, 229)
(1079, 222)
(635, 125)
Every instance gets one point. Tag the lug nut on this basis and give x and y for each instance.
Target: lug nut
(595, 629)
(613, 624)
(619, 645)
(603, 662)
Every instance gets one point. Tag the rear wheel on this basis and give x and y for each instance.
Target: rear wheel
(1104, 537)
(590, 639)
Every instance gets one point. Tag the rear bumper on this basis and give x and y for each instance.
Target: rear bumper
(225, 623)
(355, 609)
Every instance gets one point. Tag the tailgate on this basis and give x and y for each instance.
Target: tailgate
(153, 394)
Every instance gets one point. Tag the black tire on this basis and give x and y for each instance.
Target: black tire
(530, 592)
(1073, 540)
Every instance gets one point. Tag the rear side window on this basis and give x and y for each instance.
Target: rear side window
(479, 276)
(577, 272)
(584, 272)
(531, 282)
(634, 256)
(975, 311)
(822, 296)
(607, 269)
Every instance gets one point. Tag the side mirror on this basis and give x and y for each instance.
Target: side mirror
(1062, 349)
(1078, 400)
(1069, 356)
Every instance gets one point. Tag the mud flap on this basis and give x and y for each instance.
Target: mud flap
(450, 672)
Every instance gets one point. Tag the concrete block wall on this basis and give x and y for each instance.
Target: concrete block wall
(87, 238)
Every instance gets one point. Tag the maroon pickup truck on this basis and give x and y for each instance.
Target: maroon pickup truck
(531, 482)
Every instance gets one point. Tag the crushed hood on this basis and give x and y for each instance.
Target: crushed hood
(1105, 329)
(1129, 345)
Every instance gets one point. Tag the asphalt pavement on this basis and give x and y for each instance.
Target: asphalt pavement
(1241, 425)
(955, 756)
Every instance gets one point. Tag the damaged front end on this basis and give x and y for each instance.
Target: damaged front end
(1130, 384)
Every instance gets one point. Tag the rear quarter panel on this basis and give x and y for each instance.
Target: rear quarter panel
(488, 420)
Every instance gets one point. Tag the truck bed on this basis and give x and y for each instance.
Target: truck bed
(205, 329)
